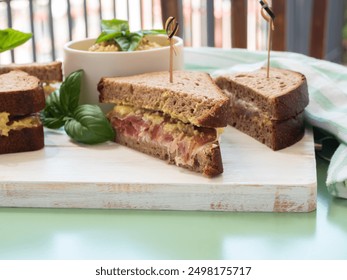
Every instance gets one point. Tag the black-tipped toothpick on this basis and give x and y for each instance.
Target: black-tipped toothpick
(171, 27)
(270, 19)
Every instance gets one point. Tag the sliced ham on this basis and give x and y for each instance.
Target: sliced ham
(181, 140)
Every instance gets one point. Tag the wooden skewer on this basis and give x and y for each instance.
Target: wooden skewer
(171, 60)
(269, 47)
(271, 27)
(171, 29)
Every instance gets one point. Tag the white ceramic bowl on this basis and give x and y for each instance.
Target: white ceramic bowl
(111, 64)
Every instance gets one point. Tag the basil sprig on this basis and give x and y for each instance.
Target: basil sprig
(85, 123)
(118, 31)
(11, 38)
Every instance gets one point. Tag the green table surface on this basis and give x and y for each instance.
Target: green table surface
(28, 233)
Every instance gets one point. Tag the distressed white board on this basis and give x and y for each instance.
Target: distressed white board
(67, 175)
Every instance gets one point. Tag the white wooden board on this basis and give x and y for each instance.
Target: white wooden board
(67, 175)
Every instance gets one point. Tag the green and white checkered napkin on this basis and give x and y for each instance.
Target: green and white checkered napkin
(327, 84)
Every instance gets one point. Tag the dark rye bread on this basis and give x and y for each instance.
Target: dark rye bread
(207, 161)
(276, 134)
(22, 140)
(49, 72)
(282, 96)
(192, 97)
(20, 94)
(270, 110)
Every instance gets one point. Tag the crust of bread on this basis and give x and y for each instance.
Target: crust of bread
(46, 72)
(207, 161)
(282, 96)
(193, 97)
(20, 94)
(23, 140)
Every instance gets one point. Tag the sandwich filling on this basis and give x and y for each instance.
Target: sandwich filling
(6, 124)
(182, 140)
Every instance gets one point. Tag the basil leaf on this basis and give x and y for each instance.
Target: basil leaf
(129, 41)
(53, 123)
(114, 25)
(53, 108)
(53, 116)
(104, 36)
(135, 39)
(83, 123)
(123, 42)
(89, 125)
(153, 31)
(118, 30)
(111, 29)
(11, 38)
(70, 92)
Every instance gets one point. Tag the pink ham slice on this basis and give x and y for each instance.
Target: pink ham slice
(178, 141)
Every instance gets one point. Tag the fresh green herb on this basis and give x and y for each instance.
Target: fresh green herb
(70, 92)
(114, 25)
(11, 38)
(84, 123)
(89, 125)
(118, 31)
(53, 114)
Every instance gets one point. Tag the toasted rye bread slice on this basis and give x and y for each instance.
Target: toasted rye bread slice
(22, 140)
(275, 134)
(50, 72)
(207, 161)
(20, 94)
(269, 110)
(192, 97)
(282, 96)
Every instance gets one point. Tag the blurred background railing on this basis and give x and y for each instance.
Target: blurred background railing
(203, 23)
(55, 22)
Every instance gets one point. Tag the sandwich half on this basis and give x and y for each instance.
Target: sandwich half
(21, 99)
(178, 122)
(48, 73)
(271, 110)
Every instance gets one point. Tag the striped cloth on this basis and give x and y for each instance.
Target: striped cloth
(327, 84)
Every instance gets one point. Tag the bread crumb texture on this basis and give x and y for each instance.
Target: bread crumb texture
(281, 96)
(18, 81)
(279, 82)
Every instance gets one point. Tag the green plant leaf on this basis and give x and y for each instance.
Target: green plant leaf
(134, 39)
(129, 41)
(53, 123)
(114, 25)
(89, 125)
(153, 31)
(104, 36)
(118, 30)
(53, 104)
(52, 116)
(83, 123)
(70, 92)
(111, 29)
(11, 38)
(123, 42)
